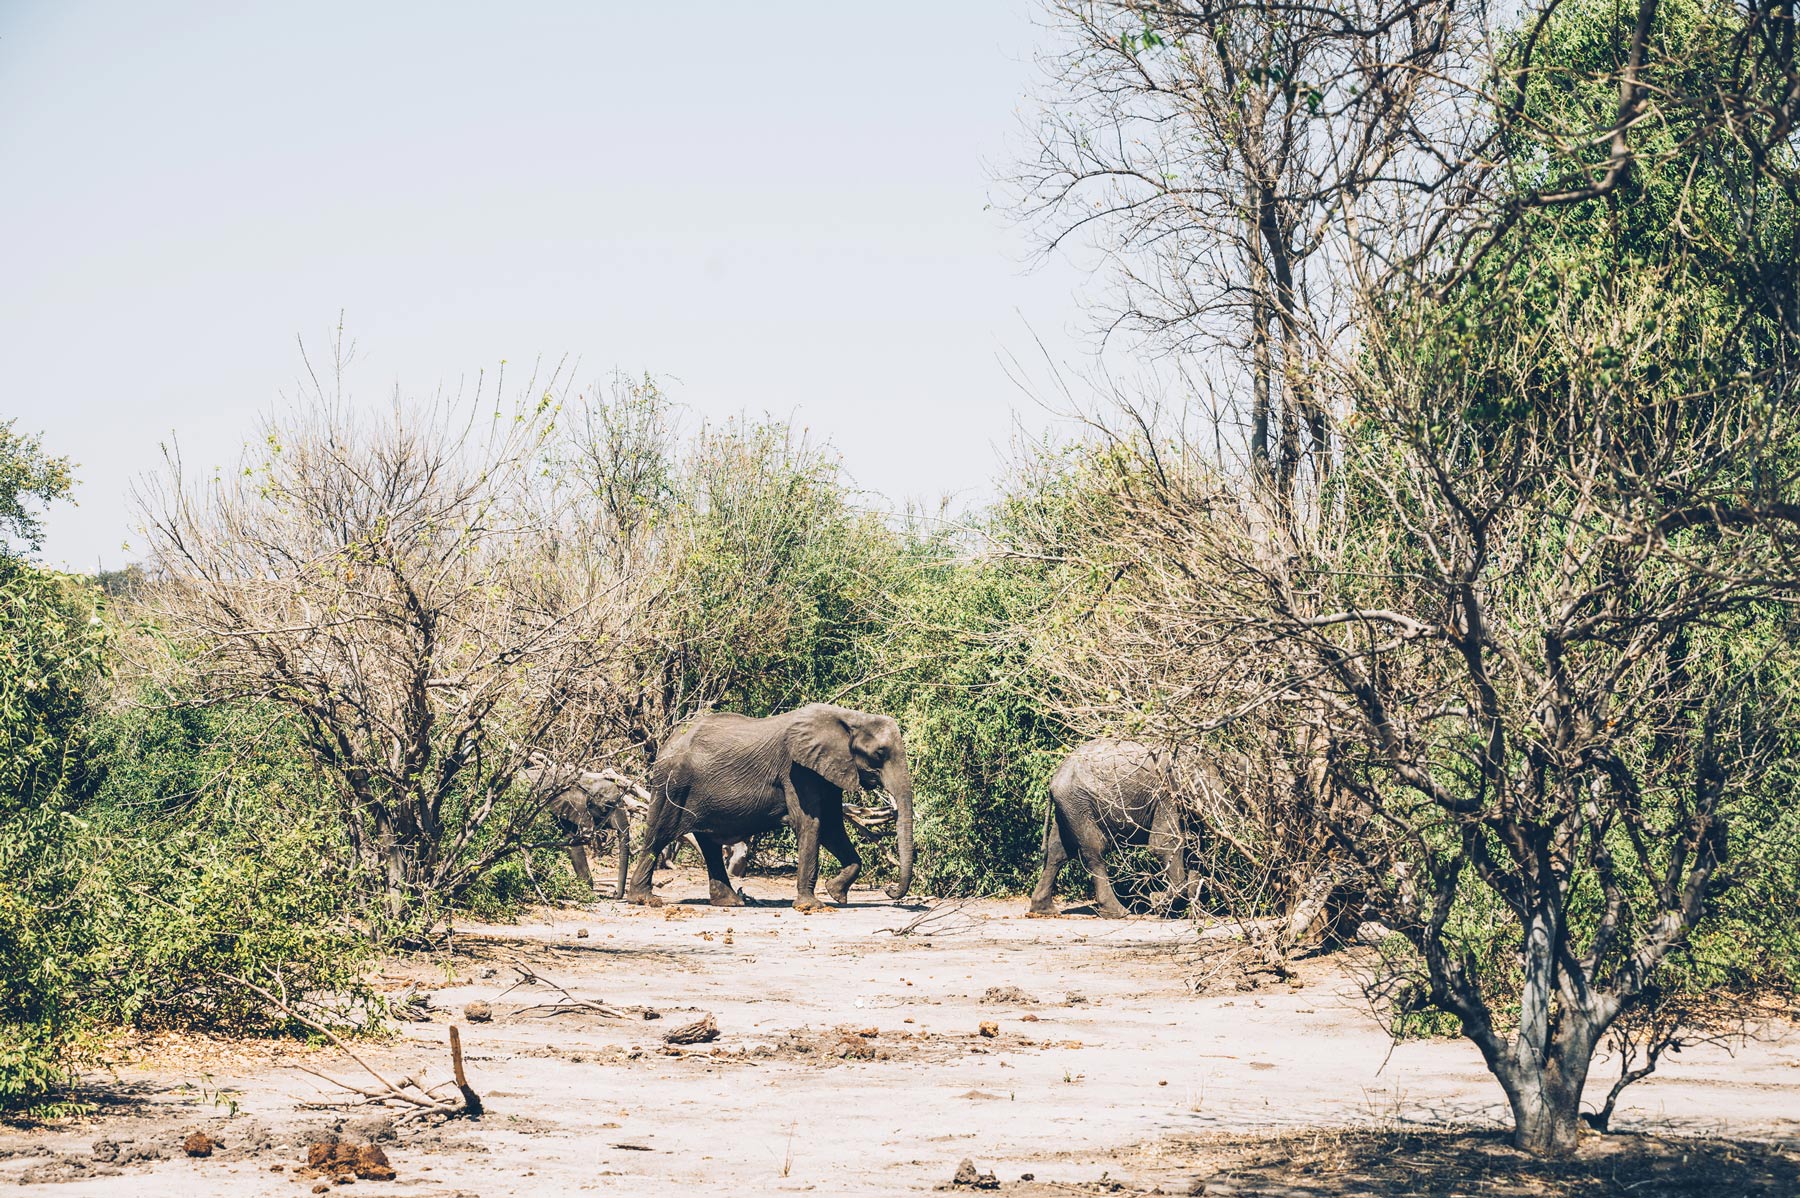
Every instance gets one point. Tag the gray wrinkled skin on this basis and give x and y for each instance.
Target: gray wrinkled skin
(725, 778)
(1110, 792)
(582, 802)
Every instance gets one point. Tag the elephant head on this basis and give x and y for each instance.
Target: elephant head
(854, 750)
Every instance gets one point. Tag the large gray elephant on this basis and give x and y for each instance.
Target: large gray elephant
(1111, 792)
(582, 802)
(726, 778)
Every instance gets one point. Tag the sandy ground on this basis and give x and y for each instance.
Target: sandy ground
(1106, 1067)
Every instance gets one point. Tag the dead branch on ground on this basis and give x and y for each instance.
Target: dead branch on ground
(932, 920)
(407, 1092)
(565, 1003)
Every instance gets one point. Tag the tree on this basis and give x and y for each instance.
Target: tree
(27, 473)
(399, 584)
(53, 652)
(1530, 653)
(1229, 159)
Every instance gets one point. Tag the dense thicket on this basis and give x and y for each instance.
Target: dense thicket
(1514, 657)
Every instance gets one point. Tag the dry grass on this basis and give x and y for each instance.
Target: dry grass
(1452, 1163)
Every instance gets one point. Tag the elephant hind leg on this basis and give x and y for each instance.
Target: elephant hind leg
(718, 881)
(1091, 842)
(1165, 842)
(1056, 852)
(835, 840)
(738, 864)
(661, 825)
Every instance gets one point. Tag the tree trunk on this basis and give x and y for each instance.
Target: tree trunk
(1543, 1079)
(1546, 1110)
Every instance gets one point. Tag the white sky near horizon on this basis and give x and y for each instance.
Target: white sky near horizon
(777, 208)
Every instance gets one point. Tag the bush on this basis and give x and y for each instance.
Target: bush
(52, 649)
(224, 858)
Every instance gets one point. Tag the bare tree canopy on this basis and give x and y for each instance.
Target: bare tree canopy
(389, 581)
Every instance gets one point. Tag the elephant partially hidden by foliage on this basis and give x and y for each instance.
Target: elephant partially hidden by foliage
(582, 802)
(1113, 792)
(726, 778)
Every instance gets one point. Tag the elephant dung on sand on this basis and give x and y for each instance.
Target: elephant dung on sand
(726, 778)
(1110, 792)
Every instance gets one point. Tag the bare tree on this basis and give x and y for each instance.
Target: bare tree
(393, 580)
(1231, 160)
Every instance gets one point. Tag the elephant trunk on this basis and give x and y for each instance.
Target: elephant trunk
(897, 781)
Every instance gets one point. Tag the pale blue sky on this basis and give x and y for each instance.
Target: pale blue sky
(781, 206)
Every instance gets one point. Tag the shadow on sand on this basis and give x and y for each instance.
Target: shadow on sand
(1438, 1164)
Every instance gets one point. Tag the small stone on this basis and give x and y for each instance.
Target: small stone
(968, 1175)
(989, 1028)
(478, 1012)
(702, 1031)
(1029, 1018)
(581, 933)
(322, 1188)
(349, 1161)
(199, 1144)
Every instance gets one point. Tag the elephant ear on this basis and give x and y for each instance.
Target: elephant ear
(820, 741)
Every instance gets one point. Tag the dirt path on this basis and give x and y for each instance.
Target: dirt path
(1104, 1063)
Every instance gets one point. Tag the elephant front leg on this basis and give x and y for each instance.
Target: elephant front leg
(1165, 842)
(621, 826)
(806, 874)
(803, 817)
(837, 842)
(579, 859)
(659, 829)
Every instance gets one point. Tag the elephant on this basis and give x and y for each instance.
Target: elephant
(726, 777)
(581, 801)
(1111, 792)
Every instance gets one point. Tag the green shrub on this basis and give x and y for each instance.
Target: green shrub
(52, 650)
(224, 860)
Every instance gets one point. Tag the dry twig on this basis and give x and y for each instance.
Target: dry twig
(564, 1005)
(407, 1092)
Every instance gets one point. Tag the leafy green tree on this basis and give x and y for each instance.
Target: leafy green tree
(52, 653)
(27, 473)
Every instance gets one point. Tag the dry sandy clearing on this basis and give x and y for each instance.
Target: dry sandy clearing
(1106, 1070)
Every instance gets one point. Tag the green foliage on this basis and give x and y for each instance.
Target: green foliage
(1611, 362)
(219, 843)
(536, 876)
(27, 473)
(775, 575)
(52, 651)
(960, 681)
